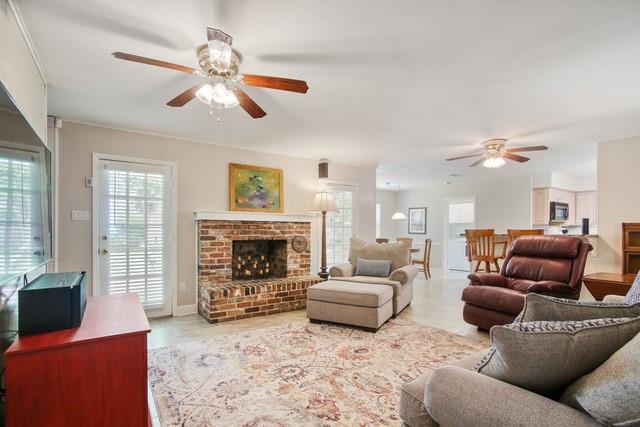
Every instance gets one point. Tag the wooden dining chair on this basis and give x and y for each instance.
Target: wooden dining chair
(481, 249)
(514, 234)
(408, 240)
(424, 262)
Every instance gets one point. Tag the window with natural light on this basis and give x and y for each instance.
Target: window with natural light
(378, 220)
(340, 225)
(21, 229)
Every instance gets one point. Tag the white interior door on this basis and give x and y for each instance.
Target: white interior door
(135, 233)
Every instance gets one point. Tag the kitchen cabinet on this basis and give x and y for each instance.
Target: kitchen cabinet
(461, 213)
(457, 258)
(542, 197)
(587, 207)
(540, 206)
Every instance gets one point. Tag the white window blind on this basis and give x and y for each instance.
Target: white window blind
(135, 228)
(340, 225)
(21, 247)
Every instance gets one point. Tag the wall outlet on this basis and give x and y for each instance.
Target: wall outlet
(88, 182)
(182, 287)
(79, 215)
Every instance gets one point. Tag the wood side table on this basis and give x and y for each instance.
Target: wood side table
(603, 284)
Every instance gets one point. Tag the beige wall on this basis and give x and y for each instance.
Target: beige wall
(19, 74)
(202, 184)
(500, 204)
(618, 198)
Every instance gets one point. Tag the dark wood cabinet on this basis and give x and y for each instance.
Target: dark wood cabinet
(94, 375)
(630, 247)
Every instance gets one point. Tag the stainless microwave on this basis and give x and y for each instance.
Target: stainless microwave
(559, 212)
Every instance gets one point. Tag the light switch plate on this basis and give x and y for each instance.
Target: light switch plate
(79, 215)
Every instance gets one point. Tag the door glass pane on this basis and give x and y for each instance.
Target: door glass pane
(135, 233)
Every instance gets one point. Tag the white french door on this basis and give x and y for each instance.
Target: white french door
(135, 233)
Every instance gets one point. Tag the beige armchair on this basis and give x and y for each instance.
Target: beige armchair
(402, 275)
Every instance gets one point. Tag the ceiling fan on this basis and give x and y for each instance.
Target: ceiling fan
(219, 63)
(494, 152)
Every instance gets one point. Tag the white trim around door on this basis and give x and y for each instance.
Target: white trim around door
(99, 158)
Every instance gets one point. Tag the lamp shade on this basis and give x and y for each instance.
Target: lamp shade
(324, 202)
(398, 216)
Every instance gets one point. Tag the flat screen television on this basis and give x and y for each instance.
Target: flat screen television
(25, 216)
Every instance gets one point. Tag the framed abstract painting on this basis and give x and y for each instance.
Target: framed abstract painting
(417, 221)
(255, 188)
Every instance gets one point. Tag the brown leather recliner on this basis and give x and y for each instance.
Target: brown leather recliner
(549, 265)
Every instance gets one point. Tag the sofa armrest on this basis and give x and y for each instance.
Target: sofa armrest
(460, 397)
(614, 299)
(404, 274)
(550, 287)
(487, 279)
(341, 270)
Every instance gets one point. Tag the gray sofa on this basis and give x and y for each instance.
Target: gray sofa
(458, 397)
(402, 275)
(455, 395)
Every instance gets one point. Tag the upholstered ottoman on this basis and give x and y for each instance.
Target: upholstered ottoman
(351, 303)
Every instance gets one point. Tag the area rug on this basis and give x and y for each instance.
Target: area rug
(298, 374)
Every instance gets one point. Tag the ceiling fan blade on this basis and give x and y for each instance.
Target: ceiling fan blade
(521, 149)
(279, 83)
(156, 62)
(476, 163)
(185, 96)
(515, 157)
(465, 157)
(248, 104)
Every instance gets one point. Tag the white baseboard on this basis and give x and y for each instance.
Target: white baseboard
(184, 310)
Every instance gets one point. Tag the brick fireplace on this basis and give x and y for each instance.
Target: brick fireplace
(247, 266)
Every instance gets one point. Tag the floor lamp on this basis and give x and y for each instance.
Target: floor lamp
(324, 202)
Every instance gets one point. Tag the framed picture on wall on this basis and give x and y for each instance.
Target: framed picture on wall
(255, 188)
(417, 221)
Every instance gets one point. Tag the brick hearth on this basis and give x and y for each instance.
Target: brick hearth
(221, 299)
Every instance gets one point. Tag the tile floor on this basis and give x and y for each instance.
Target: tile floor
(436, 303)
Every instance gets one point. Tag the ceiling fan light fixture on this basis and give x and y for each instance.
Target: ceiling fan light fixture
(493, 162)
(223, 96)
(217, 96)
(219, 49)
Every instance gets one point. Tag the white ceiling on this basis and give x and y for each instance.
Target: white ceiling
(400, 84)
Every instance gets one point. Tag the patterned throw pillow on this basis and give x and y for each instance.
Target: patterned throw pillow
(545, 357)
(633, 296)
(542, 307)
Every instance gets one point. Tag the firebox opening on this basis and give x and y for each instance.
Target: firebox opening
(259, 259)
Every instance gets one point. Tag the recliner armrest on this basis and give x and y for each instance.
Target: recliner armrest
(341, 270)
(458, 397)
(487, 279)
(404, 274)
(550, 287)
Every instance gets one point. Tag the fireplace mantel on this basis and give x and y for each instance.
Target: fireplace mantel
(202, 215)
